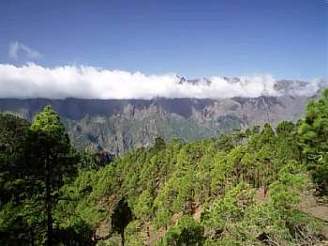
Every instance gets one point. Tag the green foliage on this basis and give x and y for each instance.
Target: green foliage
(313, 132)
(240, 219)
(38, 162)
(16, 218)
(284, 192)
(48, 121)
(134, 236)
(241, 188)
(225, 212)
(13, 132)
(143, 208)
(219, 176)
(186, 232)
(50, 162)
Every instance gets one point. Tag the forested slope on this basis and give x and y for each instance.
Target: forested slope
(244, 188)
(241, 189)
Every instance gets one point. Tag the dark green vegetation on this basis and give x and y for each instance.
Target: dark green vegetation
(35, 162)
(242, 188)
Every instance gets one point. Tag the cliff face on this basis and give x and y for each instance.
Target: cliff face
(119, 125)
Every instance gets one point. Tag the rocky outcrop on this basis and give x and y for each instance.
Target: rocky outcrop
(119, 125)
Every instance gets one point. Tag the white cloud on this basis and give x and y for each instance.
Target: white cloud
(33, 80)
(17, 50)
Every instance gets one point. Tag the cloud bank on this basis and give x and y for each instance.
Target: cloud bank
(18, 50)
(31, 81)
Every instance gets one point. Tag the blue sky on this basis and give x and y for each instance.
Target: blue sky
(285, 38)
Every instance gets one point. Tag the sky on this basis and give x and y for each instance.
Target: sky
(194, 38)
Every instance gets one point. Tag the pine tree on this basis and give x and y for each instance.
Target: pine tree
(121, 217)
(313, 132)
(51, 160)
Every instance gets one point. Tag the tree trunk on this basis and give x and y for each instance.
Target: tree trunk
(122, 237)
(48, 207)
(148, 235)
(32, 237)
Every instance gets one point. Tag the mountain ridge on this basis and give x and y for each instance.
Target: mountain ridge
(118, 125)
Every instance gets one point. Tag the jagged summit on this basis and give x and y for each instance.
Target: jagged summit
(272, 88)
(183, 80)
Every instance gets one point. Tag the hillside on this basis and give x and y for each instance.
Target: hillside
(259, 186)
(245, 188)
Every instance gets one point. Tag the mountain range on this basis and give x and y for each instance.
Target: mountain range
(118, 125)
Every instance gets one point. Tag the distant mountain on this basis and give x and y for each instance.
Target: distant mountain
(119, 125)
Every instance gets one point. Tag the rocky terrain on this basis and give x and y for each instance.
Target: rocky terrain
(119, 125)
